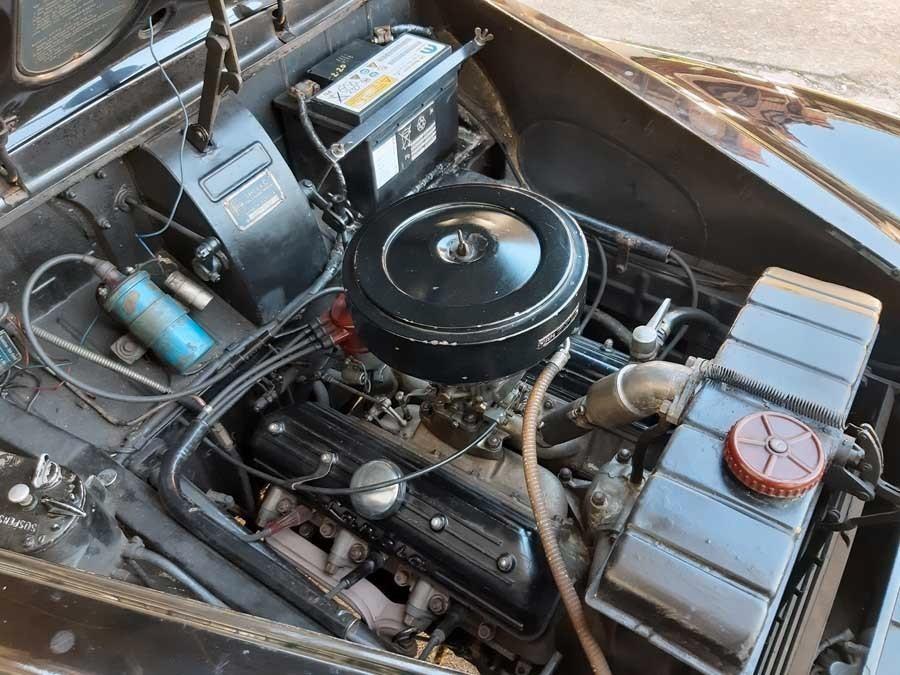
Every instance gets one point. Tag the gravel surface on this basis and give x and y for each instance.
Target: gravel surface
(851, 49)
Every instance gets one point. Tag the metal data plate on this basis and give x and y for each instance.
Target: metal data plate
(53, 33)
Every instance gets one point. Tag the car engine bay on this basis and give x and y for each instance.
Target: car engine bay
(342, 365)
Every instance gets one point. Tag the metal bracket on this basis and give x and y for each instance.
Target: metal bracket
(859, 472)
(57, 507)
(46, 474)
(7, 167)
(360, 133)
(222, 73)
(326, 461)
(871, 519)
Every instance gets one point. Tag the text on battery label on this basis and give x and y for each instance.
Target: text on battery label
(379, 75)
(407, 144)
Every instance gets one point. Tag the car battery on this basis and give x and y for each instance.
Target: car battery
(363, 79)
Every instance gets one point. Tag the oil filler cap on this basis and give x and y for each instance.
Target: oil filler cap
(774, 454)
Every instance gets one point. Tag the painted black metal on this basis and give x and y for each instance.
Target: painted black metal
(481, 525)
(588, 362)
(241, 192)
(90, 540)
(498, 309)
(137, 507)
(389, 122)
(676, 164)
(69, 621)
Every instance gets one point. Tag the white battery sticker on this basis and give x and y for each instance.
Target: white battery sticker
(417, 135)
(385, 162)
(404, 146)
(371, 81)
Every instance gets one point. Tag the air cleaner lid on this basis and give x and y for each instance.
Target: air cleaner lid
(466, 266)
(774, 454)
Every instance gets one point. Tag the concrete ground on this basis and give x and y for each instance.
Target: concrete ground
(848, 48)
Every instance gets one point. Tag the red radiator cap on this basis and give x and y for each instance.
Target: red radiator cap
(774, 454)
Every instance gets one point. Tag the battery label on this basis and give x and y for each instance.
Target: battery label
(379, 75)
(405, 146)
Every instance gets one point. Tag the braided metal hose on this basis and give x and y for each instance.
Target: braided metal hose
(545, 528)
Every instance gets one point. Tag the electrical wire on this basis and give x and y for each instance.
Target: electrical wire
(313, 135)
(312, 489)
(604, 277)
(294, 309)
(695, 298)
(187, 123)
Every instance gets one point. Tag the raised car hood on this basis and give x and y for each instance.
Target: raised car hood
(837, 159)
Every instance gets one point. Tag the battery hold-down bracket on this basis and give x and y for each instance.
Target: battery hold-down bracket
(370, 125)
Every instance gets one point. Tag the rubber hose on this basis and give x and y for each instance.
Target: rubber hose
(174, 571)
(567, 592)
(613, 325)
(320, 394)
(99, 359)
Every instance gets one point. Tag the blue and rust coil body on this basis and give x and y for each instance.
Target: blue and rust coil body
(159, 322)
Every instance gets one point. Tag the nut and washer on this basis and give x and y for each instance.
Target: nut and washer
(437, 604)
(438, 522)
(358, 552)
(485, 632)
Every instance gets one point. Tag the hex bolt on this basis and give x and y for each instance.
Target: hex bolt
(70, 194)
(358, 552)
(284, 505)
(548, 404)
(401, 577)
(598, 499)
(623, 456)
(485, 632)
(104, 223)
(494, 442)
(438, 522)
(506, 562)
(276, 428)
(100, 173)
(328, 529)
(338, 150)
(437, 604)
(306, 529)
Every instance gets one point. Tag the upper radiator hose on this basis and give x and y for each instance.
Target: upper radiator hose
(637, 391)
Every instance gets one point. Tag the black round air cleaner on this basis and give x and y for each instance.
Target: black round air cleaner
(467, 283)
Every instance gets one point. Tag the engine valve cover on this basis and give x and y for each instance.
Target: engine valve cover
(466, 283)
(485, 551)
